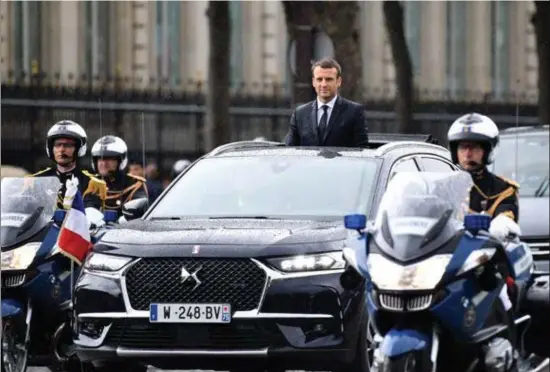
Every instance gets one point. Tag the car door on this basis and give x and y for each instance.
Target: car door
(435, 164)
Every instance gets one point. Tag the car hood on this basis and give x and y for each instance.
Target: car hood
(533, 216)
(222, 238)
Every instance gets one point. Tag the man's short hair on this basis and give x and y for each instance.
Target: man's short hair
(327, 63)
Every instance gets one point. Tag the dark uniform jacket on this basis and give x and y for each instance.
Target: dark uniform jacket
(94, 190)
(123, 188)
(494, 195)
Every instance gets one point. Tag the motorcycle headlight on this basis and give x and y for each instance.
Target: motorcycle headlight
(105, 262)
(476, 258)
(20, 258)
(313, 262)
(424, 275)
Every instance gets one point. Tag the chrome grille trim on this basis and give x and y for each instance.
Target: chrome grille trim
(419, 303)
(391, 302)
(402, 303)
(12, 280)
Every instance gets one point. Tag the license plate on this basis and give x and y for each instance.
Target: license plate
(190, 313)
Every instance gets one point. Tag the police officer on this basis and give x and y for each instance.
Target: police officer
(110, 159)
(66, 142)
(472, 140)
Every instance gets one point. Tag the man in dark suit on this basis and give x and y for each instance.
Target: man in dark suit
(330, 120)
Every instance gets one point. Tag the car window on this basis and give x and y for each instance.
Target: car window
(407, 165)
(435, 165)
(272, 186)
(530, 168)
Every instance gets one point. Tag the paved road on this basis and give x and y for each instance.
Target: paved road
(159, 370)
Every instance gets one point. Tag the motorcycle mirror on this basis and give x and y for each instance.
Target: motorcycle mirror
(135, 208)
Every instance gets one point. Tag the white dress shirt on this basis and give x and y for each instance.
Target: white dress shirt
(320, 110)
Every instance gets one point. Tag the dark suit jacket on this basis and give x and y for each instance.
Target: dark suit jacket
(347, 126)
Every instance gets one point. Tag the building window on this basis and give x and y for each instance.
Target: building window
(500, 48)
(99, 39)
(26, 36)
(236, 58)
(413, 22)
(456, 49)
(168, 41)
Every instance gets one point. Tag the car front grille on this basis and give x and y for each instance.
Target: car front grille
(402, 303)
(238, 282)
(237, 335)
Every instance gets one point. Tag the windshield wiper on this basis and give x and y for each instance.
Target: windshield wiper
(539, 192)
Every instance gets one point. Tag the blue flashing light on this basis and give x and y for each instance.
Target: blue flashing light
(355, 221)
(476, 222)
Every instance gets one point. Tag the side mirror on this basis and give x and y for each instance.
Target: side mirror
(476, 221)
(355, 221)
(135, 208)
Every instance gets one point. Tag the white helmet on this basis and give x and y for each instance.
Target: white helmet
(179, 166)
(67, 129)
(110, 147)
(474, 128)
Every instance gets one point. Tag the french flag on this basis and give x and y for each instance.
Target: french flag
(74, 239)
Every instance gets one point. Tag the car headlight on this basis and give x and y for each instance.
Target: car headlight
(424, 275)
(312, 262)
(105, 262)
(20, 258)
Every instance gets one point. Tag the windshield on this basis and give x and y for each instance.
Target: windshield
(269, 186)
(532, 162)
(420, 212)
(28, 204)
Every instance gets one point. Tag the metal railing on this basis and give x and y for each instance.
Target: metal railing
(172, 126)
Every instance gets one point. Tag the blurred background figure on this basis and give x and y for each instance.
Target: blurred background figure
(154, 184)
(136, 169)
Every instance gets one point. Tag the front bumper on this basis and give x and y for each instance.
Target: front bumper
(301, 321)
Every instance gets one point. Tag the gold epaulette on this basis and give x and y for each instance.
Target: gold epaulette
(137, 177)
(510, 182)
(96, 186)
(38, 173)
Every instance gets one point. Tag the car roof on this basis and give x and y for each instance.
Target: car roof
(518, 131)
(380, 145)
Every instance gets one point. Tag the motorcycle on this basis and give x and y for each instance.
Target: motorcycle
(36, 279)
(442, 294)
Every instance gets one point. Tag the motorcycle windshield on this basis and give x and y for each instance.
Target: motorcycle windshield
(420, 212)
(27, 205)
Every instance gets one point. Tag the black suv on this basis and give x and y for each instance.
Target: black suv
(524, 156)
(238, 264)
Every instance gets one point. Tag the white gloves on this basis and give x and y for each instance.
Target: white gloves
(95, 218)
(502, 226)
(72, 188)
